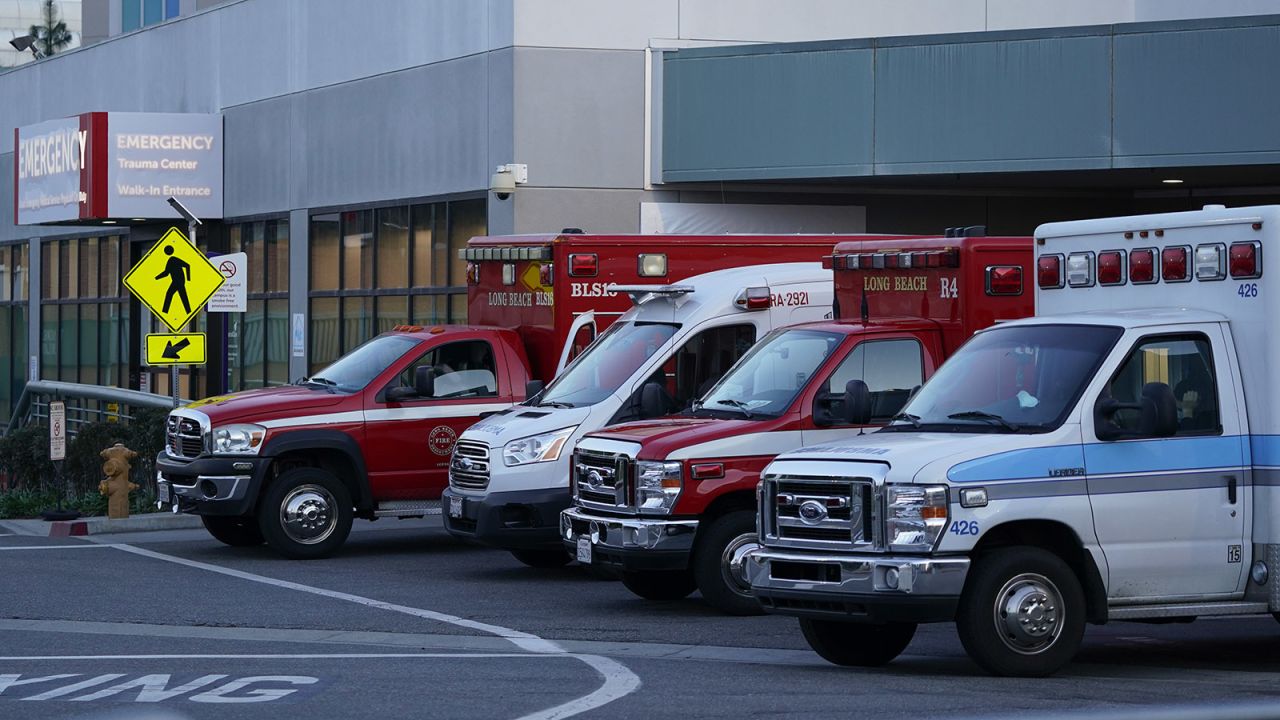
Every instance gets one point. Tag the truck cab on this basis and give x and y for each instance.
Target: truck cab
(1105, 460)
(509, 476)
(802, 385)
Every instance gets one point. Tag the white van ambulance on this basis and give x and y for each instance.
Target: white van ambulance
(1097, 462)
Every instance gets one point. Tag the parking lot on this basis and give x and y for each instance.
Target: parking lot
(408, 622)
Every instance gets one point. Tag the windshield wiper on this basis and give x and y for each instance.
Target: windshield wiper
(984, 415)
(553, 404)
(736, 404)
(913, 419)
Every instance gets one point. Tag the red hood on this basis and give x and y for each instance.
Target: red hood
(660, 438)
(268, 403)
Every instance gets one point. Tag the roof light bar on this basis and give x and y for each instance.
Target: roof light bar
(506, 253)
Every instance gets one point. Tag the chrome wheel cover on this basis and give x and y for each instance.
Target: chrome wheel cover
(307, 514)
(733, 566)
(1028, 613)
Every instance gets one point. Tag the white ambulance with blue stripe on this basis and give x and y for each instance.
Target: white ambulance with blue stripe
(1095, 463)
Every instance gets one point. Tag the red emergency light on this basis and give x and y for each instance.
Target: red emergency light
(1049, 272)
(1245, 260)
(754, 298)
(473, 273)
(1142, 266)
(584, 265)
(1173, 264)
(1111, 267)
(546, 274)
(1004, 280)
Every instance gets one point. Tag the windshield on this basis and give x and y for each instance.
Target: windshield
(1010, 379)
(770, 376)
(610, 360)
(353, 371)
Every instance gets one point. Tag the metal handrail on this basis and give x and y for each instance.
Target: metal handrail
(30, 405)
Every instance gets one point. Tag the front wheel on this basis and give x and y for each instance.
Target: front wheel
(857, 644)
(660, 584)
(718, 563)
(1022, 613)
(544, 559)
(233, 531)
(306, 514)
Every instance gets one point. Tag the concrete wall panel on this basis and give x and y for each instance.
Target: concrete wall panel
(539, 210)
(593, 24)
(579, 117)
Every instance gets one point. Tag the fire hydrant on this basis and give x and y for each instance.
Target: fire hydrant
(117, 486)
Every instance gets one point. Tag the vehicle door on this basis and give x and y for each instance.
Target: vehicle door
(892, 367)
(690, 371)
(1169, 511)
(409, 442)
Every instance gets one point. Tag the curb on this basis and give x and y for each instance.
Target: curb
(137, 523)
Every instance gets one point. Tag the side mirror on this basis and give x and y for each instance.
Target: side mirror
(424, 381)
(401, 394)
(532, 387)
(653, 402)
(1158, 414)
(857, 403)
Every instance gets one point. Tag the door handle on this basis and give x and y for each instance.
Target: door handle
(1231, 489)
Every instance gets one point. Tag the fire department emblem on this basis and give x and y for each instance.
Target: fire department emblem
(441, 439)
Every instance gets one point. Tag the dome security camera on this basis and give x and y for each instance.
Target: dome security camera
(502, 184)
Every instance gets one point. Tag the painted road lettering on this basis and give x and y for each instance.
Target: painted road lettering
(155, 687)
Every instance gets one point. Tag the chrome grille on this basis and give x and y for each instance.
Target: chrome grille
(600, 479)
(820, 512)
(469, 466)
(183, 437)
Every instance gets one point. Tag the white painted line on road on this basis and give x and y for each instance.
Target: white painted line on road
(619, 681)
(279, 656)
(52, 547)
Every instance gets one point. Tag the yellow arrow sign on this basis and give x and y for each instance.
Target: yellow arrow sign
(176, 349)
(174, 279)
(532, 278)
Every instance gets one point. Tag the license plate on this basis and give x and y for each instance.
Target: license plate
(584, 550)
(455, 507)
(162, 493)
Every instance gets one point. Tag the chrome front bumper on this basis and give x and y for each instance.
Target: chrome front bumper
(858, 586)
(645, 534)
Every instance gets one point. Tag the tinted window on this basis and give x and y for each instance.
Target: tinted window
(1183, 363)
(462, 369)
(772, 373)
(892, 370)
(609, 362)
(353, 371)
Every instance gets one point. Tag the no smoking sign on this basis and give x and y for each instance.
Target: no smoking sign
(233, 295)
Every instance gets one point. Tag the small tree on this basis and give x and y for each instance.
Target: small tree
(51, 34)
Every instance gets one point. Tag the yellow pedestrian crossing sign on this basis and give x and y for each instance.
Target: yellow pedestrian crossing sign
(174, 279)
(176, 349)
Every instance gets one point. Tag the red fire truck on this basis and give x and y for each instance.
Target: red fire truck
(903, 307)
(371, 435)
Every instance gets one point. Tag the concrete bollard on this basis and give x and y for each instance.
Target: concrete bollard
(117, 486)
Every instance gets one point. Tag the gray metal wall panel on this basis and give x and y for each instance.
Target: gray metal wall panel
(1193, 92)
(256, 158)
(358, 145)
(993, 101)
(1196, 93)
(741, 114)
(580, 117)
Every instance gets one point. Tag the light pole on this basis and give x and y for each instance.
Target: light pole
(193, 222)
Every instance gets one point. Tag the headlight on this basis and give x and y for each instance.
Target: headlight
(916, 517)
(539, 448)
(657, 486)
(243, 439)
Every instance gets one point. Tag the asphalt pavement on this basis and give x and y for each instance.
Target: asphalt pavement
(408, 622)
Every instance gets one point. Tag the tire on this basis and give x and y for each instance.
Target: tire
(717, 563)
(857, 644)
(233, 531)
(660, 584)
(546, 559)
(1022, 613)
(306, 514)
